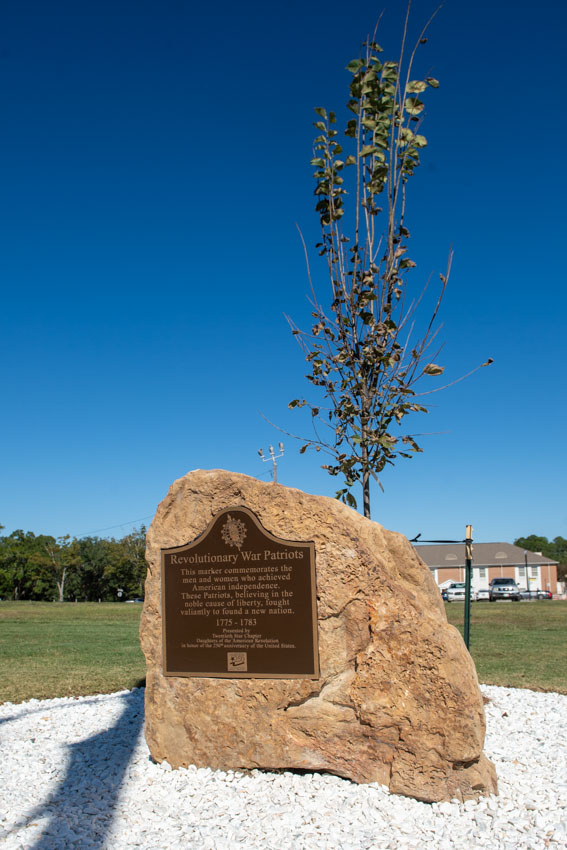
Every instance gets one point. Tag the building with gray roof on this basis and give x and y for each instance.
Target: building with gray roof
(489, 560)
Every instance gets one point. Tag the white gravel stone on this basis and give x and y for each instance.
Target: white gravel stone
(76, 773)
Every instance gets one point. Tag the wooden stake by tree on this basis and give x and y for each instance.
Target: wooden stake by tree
(361, 352)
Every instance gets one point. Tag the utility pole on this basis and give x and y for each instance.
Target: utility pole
(273, 457)
(527, 576)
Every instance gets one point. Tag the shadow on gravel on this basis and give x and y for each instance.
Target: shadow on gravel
(81, 809)
(141, 683)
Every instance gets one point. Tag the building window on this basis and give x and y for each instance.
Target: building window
(533, 572)
(482, 572)
(522, 572)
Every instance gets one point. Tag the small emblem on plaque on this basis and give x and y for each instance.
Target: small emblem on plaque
(233, 532)
(237, 662)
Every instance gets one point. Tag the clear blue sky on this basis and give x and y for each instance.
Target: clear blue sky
(154, 161)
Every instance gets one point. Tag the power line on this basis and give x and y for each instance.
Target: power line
(119, 525)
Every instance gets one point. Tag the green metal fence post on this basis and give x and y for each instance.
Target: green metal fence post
(468, 580)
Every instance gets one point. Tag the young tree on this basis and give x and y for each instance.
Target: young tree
(361, 351)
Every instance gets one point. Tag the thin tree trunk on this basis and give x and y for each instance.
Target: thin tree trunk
(61, 585)
(366, 493)
(365, 482)
(364, 446)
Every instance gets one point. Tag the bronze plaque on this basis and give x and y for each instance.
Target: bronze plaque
(238, 602)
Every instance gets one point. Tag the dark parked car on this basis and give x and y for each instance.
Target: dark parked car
(503, 588)
(536, 594)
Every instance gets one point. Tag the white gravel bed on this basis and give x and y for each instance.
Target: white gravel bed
(77, 773)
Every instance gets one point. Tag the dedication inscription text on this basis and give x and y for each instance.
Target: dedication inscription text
(240, 603)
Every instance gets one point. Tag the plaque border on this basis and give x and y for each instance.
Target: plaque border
(185, 547)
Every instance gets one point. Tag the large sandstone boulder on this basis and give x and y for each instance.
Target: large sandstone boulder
(397, 701)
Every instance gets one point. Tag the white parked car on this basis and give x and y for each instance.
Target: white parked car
(482, 595)
(456, 592)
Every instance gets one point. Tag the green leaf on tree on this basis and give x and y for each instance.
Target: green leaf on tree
(416, 87)
(413, 105)
(355, 65)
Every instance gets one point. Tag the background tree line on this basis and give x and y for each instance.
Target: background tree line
(45, 568)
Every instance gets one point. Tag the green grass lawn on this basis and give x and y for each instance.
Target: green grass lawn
(52, 649)
(49, 649)
(517, 644)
